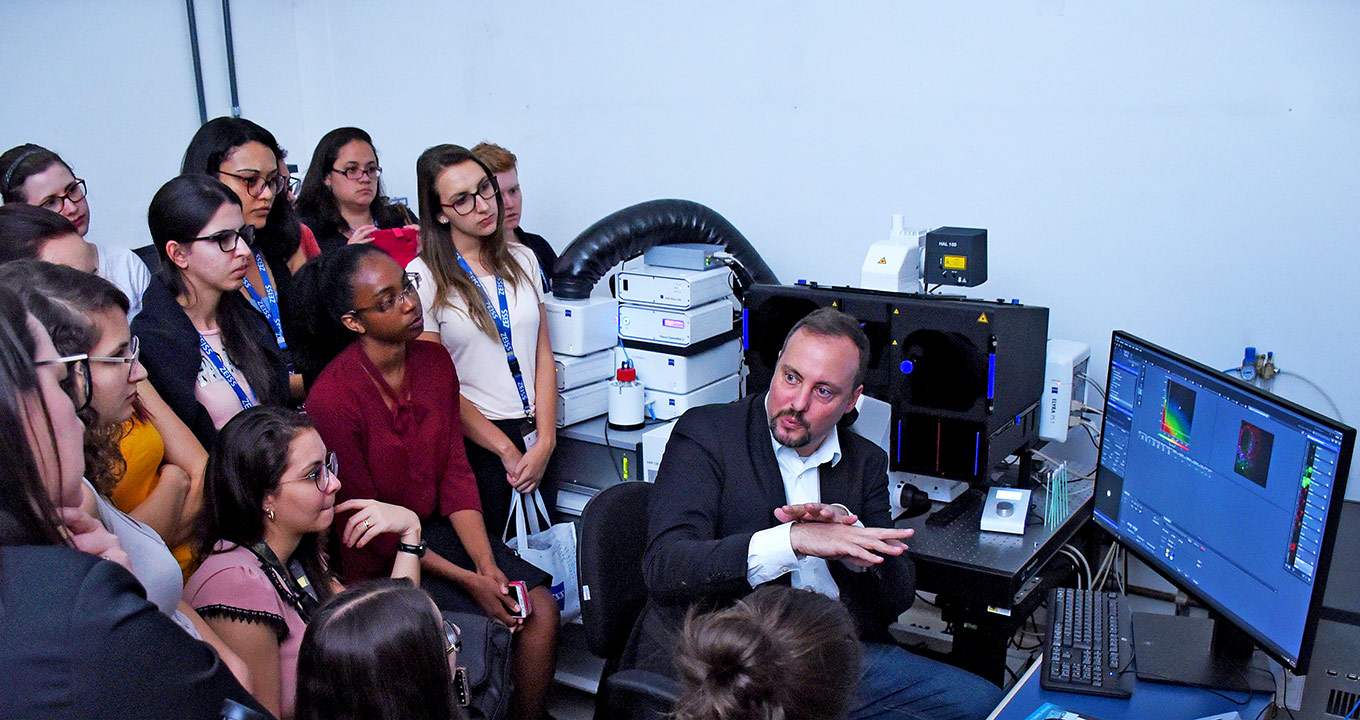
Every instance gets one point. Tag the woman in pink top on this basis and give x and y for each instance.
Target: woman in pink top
(269, 498)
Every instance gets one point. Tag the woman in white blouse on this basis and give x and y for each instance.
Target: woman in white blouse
(482, 300)
(469, 275)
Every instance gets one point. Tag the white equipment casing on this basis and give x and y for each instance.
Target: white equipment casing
(680, 328)
(582, 403)
(894, 264)
(672, 287)
(680, 374)
(1066, 361)
(653, 447)
(574, 372)
(581, 327)
(668, 406)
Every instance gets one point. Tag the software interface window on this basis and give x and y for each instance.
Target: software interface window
(1191, 461)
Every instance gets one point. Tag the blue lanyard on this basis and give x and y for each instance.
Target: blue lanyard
(216, 360)
(269, 304)
(502, 320)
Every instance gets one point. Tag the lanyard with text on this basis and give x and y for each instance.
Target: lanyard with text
(225, 372)
(291, 584)
(268, 304)
(502, 320)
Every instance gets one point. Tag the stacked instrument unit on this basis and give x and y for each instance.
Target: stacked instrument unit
(676, 325)
(583, 336)
(963, 377)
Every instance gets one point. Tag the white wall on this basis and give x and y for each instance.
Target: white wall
(1188, 171)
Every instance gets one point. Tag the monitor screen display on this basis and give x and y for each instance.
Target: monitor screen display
(1226, 490)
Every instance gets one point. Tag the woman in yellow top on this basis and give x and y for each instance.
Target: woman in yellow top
(138, 453)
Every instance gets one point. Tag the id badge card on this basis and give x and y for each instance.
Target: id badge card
(529, 432)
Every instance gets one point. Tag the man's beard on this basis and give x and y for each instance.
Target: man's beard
(793, 441)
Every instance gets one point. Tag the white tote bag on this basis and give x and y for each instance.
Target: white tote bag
(552, 550)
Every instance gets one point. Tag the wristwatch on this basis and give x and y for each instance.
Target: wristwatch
(418, 549)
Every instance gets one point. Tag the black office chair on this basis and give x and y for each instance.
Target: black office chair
(149, 256)
(613, 538)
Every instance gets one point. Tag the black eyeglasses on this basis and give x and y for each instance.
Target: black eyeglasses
(354, 173)
(255, 184)
(294, 183)
(134, 351)
(408, 288)
(227, 239)
(75, 192)
(464, 203)
(77, 383)
(319, 476)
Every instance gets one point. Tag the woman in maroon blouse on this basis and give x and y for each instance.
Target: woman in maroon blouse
(388, 406)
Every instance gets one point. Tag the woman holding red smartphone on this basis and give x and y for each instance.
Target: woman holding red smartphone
(342, 198)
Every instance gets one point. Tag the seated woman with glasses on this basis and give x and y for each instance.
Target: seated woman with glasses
(79, 638)
(87, 319)
(246, 157)
(33, 175)
(207, 352)
(366, 637)
(269, 498)
(342, 197)
(138, 453)
(162, 482)
(483, 301)
(388, 404)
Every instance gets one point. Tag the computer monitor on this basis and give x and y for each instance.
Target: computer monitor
(1232, 494)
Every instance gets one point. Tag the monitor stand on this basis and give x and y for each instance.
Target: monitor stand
(1196, 651)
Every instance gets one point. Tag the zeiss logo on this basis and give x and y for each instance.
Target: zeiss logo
(568, 313)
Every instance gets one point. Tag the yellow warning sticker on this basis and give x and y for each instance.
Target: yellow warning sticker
(883, 261)
(982, 318)
(955, 262)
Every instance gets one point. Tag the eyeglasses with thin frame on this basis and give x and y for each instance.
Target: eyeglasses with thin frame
(227, 239)
(134, 351)
(255, 184)
(355, 172)
(75, 192)
(453, 638)
(319, 476)
(408, 288)
(77, 383)
(294, 183)
(466, 202)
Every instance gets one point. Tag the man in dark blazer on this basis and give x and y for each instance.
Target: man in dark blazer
(767, 489)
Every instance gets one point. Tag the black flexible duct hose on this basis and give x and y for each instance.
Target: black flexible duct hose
(632, 230)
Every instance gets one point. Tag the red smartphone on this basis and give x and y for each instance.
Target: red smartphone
(520, 594)
(401, 243)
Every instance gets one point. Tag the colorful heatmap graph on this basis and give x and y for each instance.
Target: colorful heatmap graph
(1178, 413)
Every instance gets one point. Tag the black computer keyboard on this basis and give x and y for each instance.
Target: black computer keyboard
(1087, 648)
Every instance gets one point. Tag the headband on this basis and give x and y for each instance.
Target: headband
(19, 161)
